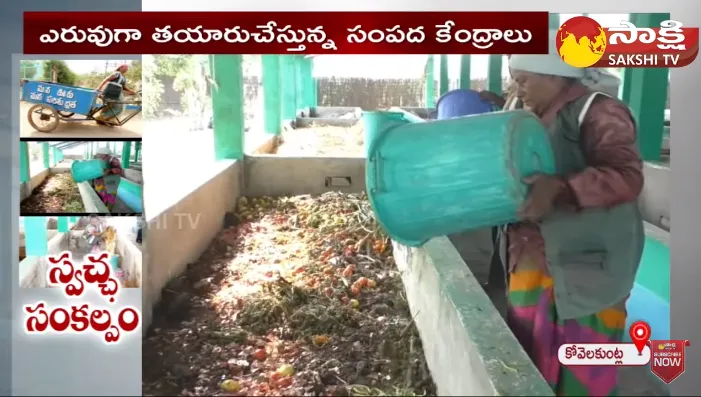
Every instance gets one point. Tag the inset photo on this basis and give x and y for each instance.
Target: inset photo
(72, 177)
(42, 237)
(80, 99)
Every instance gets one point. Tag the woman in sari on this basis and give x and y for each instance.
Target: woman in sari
(112, 91)
(94, 234)
(106, 187)
(570, 263)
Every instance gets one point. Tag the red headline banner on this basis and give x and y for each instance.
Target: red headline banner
(286, 32)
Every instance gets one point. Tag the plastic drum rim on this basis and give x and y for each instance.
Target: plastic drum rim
(451, 92)
(371, 182)
(535, 161)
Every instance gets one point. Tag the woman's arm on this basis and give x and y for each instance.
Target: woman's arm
(615, 172)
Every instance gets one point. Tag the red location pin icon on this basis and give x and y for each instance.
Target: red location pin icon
(640, 334)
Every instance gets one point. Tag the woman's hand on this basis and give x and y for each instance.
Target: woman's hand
(493, 98)
(544, 190)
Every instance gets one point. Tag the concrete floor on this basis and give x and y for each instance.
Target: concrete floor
(475, 248)
(79, 129)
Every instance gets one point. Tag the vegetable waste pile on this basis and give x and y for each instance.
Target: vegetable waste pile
(323, 141)
(58, 193)
(301, 296)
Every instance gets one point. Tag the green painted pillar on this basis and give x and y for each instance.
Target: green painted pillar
(60, 155)
(271, 94)
(430, 83)
(299, 82)
(45, 154)
(36, 236)
(74, 219)
(126, 154)
(554, 21)
(227, 106)
(443, 79)
(63, 224)
(137, 151)
(465, 70)
(315, 89)
(23, 162)
(306, 69)
(289, 87)
(645, 91)
(495, 83)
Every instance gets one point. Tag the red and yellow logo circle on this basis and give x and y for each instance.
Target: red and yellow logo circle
(581, 42)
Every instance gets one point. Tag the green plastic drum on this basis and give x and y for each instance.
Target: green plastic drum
(86, 170)
(436, 178)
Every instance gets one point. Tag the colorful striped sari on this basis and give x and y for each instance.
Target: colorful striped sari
(534, 321)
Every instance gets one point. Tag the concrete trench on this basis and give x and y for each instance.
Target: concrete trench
(447, 286)
(459, 316)
(92, 203)
(33, 270)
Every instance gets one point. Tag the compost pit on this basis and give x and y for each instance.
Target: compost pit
(57, 193)
(299, 296)
(319, 140)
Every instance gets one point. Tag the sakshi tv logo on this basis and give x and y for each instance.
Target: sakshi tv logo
(666, 346)
(582, 42)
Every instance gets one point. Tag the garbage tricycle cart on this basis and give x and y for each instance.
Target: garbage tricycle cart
(58, 102)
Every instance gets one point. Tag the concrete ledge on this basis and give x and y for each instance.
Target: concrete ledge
(654, 199)
(134, 175)
(272, 175)
(180, 234)
(51, 233)
(460, 328)
(131, 259)
(27, 188)
(91, 201)
(329, 112)
(307, 122)
(32, 269)
(59, 170)
(29, 270)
